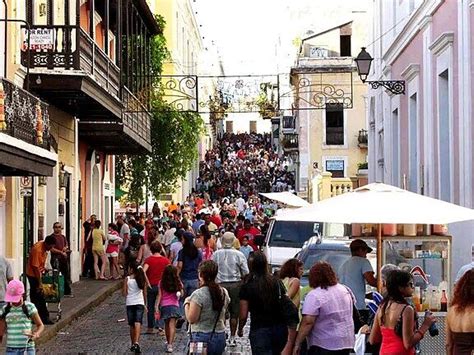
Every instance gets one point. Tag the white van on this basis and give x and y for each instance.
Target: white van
(285, 239)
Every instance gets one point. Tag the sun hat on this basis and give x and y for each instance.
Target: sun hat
(359, 243)
(14, 292)
(228, 239)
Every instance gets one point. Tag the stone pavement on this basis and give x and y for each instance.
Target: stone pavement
(104, 330)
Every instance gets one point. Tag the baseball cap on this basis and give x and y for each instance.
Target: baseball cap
(14, 292)
(228, 239)
(359, 243)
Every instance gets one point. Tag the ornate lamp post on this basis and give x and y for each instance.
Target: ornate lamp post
(363, 62)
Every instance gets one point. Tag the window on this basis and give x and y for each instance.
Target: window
(229, 126)
(336, 167)
(413, 151)
(253, 127)
(334, 124)
(345, 46)
(395, 148)
(444, 136)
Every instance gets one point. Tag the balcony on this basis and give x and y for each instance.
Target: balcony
(290, 142)
(288, 124)
(74, 74)
(24, 133)
(363, 139)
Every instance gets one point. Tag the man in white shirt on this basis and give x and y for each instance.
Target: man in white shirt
(240, 204)
(232, 267)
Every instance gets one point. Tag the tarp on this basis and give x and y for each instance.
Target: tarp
(380, 203)
(287, 198)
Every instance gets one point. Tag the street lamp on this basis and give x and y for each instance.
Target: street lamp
(363, 62)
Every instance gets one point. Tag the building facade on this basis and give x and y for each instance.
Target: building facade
(422, 140)
(72, 58)
(328, 123)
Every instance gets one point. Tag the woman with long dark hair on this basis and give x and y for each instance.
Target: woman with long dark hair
(394, 324)
(290, 274)
(205, 242)
(460, 318)
(189, 259)
(259, 295)
(205, 310)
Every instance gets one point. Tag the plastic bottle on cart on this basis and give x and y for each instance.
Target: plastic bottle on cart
(433, 329)
(444, 302)
(425, 305)
(434, 304)
(417, 299)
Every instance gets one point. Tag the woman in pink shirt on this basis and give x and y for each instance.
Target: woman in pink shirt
(171, 289)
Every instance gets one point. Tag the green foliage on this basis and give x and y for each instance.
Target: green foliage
(363, 165)
(174, 136)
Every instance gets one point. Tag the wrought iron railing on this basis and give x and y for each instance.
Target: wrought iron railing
(363, 138)
(288, 123)
(24, 116)
(290, 141)
(73, 49)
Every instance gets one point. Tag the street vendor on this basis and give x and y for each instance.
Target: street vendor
(356, 272)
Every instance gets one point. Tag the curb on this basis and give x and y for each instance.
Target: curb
(74, 313)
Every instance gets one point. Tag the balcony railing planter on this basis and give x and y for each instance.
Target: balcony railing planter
(363, 168)
(266, 108)
(363, 138)
(23, 115)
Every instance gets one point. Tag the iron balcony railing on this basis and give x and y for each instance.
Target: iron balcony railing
(136, 117)
(290, 142)
(23, 115)
(71, 48)
(363, 138)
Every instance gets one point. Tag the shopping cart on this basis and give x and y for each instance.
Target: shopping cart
(53, 288)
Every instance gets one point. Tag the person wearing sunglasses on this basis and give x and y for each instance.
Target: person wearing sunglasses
(395, 326)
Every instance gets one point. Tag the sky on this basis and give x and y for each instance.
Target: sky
(256, 36)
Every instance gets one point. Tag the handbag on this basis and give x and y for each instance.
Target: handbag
(200, 347)
(287, 308)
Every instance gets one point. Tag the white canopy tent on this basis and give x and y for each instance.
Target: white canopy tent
(380, 203)
(287, 198)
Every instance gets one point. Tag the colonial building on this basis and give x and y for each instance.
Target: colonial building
(422, 140)
(89, 60)
(327, 129)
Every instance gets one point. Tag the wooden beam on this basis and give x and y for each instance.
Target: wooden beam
(107, 26)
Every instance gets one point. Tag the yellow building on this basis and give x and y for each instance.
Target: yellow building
(185, 45)
(330, 130)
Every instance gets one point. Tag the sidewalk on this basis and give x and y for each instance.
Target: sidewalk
(87, 294)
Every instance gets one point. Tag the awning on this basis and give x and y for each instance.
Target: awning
(287, 198)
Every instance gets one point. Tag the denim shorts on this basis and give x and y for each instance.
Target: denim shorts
(168, 312)
(20, 351)
(135, 314)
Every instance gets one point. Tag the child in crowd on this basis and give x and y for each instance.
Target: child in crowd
(245, 248)
(112, 250)
(134, 289)
(19, 316)
(171, 289)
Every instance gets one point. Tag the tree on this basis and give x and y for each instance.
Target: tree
(174, 137)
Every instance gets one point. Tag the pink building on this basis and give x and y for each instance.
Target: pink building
(423, 140)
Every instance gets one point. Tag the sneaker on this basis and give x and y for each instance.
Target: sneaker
(132, 348)
(137, 349)
(169, 348)
(232, 341)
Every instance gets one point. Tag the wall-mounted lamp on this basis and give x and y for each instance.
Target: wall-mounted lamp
(62, 177)
(363, 62)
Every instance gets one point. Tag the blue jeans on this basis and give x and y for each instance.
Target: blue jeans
(215, 344)
(151, 296)
(20, 351)
(268, 341)
(190, 286)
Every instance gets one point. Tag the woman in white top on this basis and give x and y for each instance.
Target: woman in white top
(134, 289)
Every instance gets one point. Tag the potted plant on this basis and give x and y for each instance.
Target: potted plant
(363, 168)
(267, 108)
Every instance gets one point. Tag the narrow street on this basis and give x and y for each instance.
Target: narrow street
(100, 332)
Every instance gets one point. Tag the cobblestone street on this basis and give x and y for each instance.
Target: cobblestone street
(100, 332)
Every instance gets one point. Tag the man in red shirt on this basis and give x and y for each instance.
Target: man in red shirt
(216, 218)
(249, 231)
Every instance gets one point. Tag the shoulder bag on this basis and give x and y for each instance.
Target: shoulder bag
(287, 308)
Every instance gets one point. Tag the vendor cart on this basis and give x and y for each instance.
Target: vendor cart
(53, 289)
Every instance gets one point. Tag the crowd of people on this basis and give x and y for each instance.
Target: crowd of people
(243, 164)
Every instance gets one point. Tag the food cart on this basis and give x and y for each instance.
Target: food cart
(378, 204)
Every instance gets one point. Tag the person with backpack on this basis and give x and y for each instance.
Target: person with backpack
(232, 266)
(19, 316)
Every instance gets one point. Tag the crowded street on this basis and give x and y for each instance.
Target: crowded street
(204, 177)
